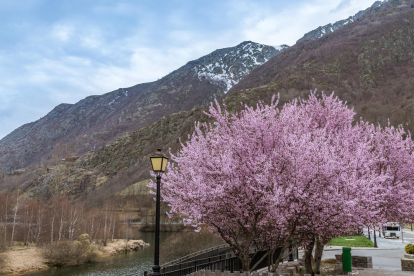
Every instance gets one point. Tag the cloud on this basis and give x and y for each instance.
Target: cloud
(54, 52)
(289, 23)
(343, 4)
(62, 32)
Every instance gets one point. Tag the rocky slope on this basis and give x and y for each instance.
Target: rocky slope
(95, 120)
(377, 7)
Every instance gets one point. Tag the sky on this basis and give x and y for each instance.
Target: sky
(54, 52)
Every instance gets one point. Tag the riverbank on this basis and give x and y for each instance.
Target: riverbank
(22, 261)
(25, 260)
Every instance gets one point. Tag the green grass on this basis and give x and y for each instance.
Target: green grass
(360, 241)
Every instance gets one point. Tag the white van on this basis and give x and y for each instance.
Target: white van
(391, 230)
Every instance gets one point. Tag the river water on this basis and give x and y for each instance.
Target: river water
(133, 263)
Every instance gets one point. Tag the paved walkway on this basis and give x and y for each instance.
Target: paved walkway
(380, 272)
(386, 258)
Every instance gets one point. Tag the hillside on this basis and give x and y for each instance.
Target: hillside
(95, 120)
(368, 63)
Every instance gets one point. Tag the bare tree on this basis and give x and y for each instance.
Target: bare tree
(5, 218)
(73, 219)
(105, 227)
(39, 221)
(28, 221)
(16, 208)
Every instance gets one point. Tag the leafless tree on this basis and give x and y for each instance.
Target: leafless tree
(16, 208)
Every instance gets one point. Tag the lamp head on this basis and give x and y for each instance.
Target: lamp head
(158, 161)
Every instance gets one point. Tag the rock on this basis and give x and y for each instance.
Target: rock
(407, 264)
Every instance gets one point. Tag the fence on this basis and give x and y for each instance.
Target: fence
(202, 254)
(222, 263)
(237, 273)
(226, 262)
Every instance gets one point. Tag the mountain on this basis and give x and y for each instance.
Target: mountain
(377, 7)
(95, 120)
(368, 63)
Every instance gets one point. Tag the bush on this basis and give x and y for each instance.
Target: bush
(66, 253)
(409, 248)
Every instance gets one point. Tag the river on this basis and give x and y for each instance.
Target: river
(133, 263)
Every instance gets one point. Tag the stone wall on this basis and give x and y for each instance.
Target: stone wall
(408, 256)
(407, 264)
(358, 261)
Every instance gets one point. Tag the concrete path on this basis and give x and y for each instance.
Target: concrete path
(387, 256)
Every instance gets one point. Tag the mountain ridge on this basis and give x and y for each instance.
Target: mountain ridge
(93, 121)
(377, 7)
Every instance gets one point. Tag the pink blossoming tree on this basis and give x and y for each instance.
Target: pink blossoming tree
(268, 178)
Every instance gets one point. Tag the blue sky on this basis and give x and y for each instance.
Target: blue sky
(54, 52)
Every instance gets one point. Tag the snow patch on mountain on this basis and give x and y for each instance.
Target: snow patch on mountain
(226, 67)
(281, 47)
(329, 28)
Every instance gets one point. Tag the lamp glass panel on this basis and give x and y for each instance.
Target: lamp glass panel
(156, 163)
(164, 164)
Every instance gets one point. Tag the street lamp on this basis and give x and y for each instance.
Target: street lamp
(158, 162)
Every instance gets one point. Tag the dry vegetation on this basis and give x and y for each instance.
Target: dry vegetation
(21, 261)
(27, 259)
(67, 253)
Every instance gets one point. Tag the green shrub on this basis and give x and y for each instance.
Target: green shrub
(409, 248)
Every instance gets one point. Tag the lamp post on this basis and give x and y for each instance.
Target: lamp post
(158, 162)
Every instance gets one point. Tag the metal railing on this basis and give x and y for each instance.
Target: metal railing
(227, 262)
(222, 262)
(211, 250)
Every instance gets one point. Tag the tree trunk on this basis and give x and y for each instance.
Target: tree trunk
(259, 261)
(245, 259)
(106, 219)
(275, 264)
(51, 230)
(91, 235)
(61, 224)
(72, 223)
(14, 219)
(5, 220)
(308, 258)
(29, 227)
(113, 229)
(39, 223)
(369, 234)
(318, 256)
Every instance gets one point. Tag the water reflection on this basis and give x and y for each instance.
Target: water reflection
(134, 263)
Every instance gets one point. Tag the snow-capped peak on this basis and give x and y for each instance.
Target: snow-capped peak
(228, 66)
